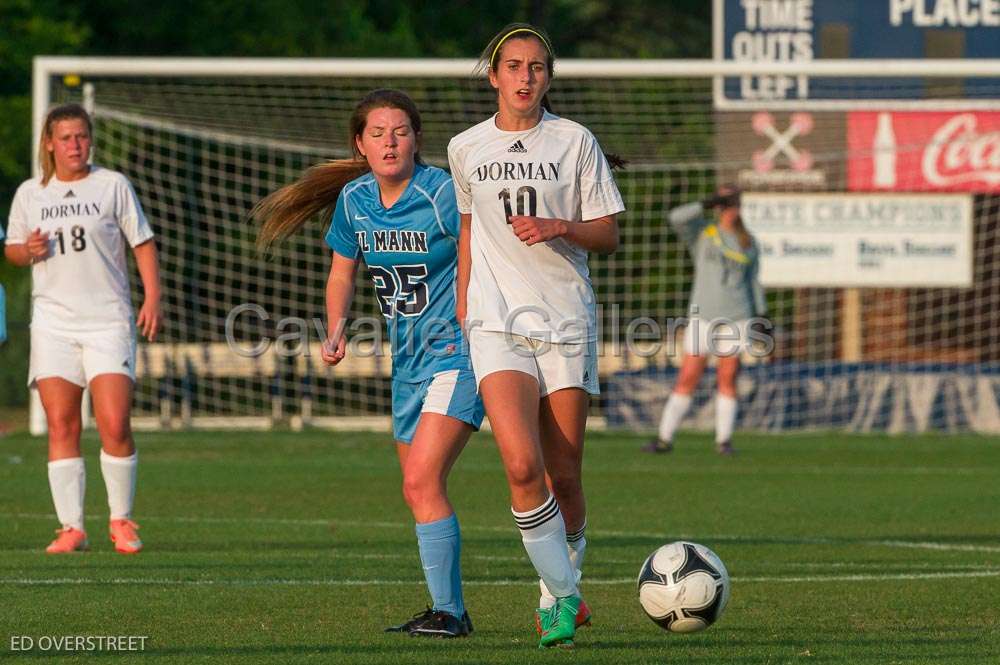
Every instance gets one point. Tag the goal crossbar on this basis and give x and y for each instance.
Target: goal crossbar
(45, 67)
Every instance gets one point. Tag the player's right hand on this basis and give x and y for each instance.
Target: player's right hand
(38, 245)
(333, 350)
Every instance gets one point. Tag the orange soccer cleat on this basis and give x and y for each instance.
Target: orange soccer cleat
(124, 536)
(68, 540)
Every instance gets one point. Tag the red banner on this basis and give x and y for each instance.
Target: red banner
(918, 151)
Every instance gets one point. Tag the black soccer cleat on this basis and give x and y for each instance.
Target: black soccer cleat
(434, 623)
(658, 446)
(408, 626)
(441, 624)
(725, 448)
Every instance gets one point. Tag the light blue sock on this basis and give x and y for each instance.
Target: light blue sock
(440, 545)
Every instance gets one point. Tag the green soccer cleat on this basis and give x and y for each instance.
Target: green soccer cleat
(562, 623)
(543, 618)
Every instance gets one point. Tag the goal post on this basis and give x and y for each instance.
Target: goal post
(893, 341)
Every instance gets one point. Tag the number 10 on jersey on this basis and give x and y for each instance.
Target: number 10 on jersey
(526, 200)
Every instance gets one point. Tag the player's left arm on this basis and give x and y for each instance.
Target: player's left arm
(150, 316)
(594, 235)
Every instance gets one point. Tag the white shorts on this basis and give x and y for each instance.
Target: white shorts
(718, 337)
(80, 356)
(554, 366)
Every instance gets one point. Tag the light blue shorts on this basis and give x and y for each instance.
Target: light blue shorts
(450, 393)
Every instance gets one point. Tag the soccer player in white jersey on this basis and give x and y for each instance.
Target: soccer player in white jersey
(71, 225)
(536, 195)
(398, 215)
(725, 296)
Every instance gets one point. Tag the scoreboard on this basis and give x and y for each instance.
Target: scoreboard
(805, 30)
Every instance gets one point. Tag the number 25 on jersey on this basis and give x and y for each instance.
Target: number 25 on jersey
(400, 289)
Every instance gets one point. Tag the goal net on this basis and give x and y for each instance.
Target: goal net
(900, 333)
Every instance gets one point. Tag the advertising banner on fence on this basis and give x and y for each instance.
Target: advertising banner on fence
(923, 151)
(781, 150)
(858, 240)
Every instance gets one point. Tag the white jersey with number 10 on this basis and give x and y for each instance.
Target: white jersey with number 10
(555, 169)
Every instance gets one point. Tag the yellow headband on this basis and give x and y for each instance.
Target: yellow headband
(545, 42)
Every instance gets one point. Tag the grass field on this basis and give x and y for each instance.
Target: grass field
(297, 548)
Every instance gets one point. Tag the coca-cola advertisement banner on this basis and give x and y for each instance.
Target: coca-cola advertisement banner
(923, 151)
(862, 240)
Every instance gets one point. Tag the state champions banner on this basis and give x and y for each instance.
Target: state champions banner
(862, 240)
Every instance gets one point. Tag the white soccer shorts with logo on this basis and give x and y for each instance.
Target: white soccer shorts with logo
(80, 356)
(554, 366)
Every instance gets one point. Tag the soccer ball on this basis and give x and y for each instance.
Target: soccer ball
(683, 587)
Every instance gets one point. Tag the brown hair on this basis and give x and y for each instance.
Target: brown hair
(741, 232)
(285, 211)
(728, 196)
(64, 112)
(490, 57)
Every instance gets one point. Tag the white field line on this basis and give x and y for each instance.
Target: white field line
(658, 535)
(704, 470)
(620, 581)
(806, 470)
(959, 547)
(895, 566)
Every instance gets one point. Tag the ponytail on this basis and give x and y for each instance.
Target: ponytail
(615, 161)
(285, 211)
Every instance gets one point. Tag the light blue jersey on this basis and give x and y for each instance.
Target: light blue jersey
(410, 251)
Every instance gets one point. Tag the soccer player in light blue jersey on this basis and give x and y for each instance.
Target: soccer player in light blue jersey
(725, 296)
(399, 216)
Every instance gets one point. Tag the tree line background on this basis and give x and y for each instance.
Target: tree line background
(297, 28)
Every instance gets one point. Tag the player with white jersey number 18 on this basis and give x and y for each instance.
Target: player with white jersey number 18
(72, 226)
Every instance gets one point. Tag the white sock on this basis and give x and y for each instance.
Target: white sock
(673, 413)
(119, 479)
(725, 417)
(68, 481)
(543, 533)
(576, 545)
